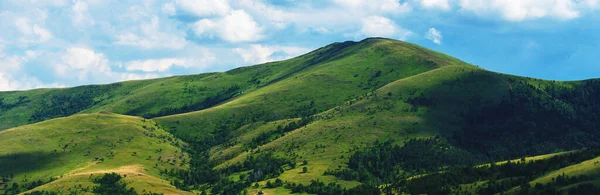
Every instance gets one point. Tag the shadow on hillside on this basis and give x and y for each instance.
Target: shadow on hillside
(14, 164)
(505, 117)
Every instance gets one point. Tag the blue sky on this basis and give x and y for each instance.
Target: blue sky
(63, 43)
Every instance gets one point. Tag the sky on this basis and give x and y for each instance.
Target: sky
(64, 43)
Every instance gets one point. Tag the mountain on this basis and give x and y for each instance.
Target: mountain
(361, 116)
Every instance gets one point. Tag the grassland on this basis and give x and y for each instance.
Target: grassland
(321, 107)
(62, 148)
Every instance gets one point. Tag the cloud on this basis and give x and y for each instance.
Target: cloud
(203, 58)
(257, 54)
(237, 26)
(84, 63)
(375, 6)
(377, 26)
(434, 35)
(169, 9)
(41, 3)
(522, 9)
(9, 65)
(81, 16)
(435, 4)
(89, 66)
(159, 65)
(204, 8)
(9, 83)
(590, 3)
(150, 37)
(31, 33)
(12, 76)
(1, 48)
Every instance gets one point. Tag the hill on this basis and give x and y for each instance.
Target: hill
(63, 149)
(365, 117)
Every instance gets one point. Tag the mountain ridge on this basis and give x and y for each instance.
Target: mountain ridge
(320, 115)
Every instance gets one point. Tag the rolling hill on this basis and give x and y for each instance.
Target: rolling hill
(351, 117)
(63, 149)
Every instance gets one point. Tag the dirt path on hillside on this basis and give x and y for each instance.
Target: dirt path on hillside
(130, 169)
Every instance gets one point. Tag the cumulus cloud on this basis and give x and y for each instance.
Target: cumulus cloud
(1, 48)
(9, 83)
(153, 65)
(80, 14)
(202, 58)
(150, 37)
(523, 9)
(590, 3)
(237, 26)
(435, 4)
(377, 26)
(32, 33)
(434, 35)
(204, 8)
(257, 54)
(82, 62)
(89, 66)
(169, 9)
(12, 76)
(9, 65)
(375, 6)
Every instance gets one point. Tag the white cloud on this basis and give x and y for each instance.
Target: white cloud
(523, 9)
(202, 59)
(7, 83)
(12, 76)
(81, 16)
(41, 3)
(1, 48)
(88, 66)
(257, 54)
(204, 8)
(152, 65)
(590, 3)
(31, 33)
(377, 26)
(434, 35)
(435, 4)
(151, 37)
(169, 9)
(84, 63)
(9, 65)
(375, 6)
(238, 26)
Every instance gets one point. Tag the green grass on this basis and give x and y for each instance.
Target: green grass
(74, 145)
(361, 68)
(590, 168)
(357, 92)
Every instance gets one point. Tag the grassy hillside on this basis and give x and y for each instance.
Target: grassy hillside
(64, 149)
(355, 68)
(148, 98)
(482, 115)
(166, 96)
(351, 117)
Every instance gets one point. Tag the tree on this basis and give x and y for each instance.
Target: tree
(110, 184)
(304, 169)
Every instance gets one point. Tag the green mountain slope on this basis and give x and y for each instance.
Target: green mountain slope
(486, 115)
(354, 115)
(80, 145)
(448, 102)
(149, 98)
(357, 69)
